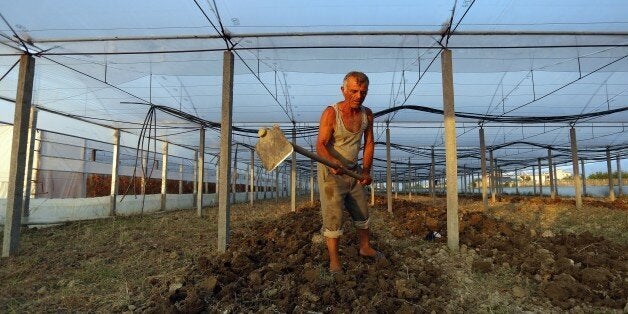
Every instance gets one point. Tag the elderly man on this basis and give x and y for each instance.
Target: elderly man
(342, 127)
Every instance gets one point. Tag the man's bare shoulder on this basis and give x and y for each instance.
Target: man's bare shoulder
(329, 112)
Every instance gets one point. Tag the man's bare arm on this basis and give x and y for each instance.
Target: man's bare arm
(325, 137)
(369, 149)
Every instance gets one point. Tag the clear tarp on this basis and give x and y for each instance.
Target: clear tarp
(105, 61)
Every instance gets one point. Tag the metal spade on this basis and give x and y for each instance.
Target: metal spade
(273, 148)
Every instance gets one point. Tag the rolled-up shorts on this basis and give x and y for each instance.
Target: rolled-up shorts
(338, 193)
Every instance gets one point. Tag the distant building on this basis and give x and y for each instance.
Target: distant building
(545, 178)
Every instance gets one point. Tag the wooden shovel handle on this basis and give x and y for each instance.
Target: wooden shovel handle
(323, 161)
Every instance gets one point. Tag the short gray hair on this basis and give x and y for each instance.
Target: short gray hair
(360, 77)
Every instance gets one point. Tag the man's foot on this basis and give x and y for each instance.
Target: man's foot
(335, 271)
(371, 253)
(368, 252)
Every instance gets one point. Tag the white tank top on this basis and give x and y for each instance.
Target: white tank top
(346, 144)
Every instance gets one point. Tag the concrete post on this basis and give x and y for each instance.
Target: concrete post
(451, 159)
(620, 184)
(277, 191)
(252, 178)
(114, 173)
(195, 175)
(409, 180)
(555, 181)
(164, 174)
(19, 146)
(516, 182)
(540, 179)
(611, 189)
(583, 177)
(293, 174)
(312, 181)
(388, 173)
(234, 176)
(396, 184)
(576, 174)
(551, 174)
(224, 207)
(432, 183)
(200, 173)
(30, 156)
(181, 177)
(492, 176)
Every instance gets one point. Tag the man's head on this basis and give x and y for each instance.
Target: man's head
(354, 88)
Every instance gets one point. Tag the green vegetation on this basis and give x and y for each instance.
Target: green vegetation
(604, 175)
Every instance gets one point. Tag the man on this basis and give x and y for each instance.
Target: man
(340, 132)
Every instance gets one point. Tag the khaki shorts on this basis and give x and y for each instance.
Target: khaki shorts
(337, 193)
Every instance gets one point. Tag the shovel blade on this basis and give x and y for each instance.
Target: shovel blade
(272, 147)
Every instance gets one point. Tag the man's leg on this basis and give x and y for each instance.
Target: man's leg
(365, 245)
(334, 256)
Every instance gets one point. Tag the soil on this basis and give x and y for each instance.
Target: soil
(515, 257)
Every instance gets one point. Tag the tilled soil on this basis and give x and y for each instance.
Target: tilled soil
(281, 265)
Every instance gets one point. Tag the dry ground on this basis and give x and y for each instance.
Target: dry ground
(523, 254)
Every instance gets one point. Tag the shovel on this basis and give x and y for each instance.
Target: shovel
(273, 148)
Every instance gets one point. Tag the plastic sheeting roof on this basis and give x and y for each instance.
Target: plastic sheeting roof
(103, 61)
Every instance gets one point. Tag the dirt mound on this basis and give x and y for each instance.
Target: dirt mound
(282, 266)
(571, 268)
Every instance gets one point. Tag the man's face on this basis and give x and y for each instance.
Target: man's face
(354, 93)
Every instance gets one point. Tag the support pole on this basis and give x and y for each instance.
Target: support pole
(218, 175)
(620, 184)
(293, 173)
(555, 181)
(432, 183)
(252, 178)
(540, 179)
(583, 177)
(576, 174)
(17, 168)
(164, 174)
(115, 180)
(396, 185)
(611, 189)
(464, 180)
(492, 176)
(551, 175)
(200, 173)
(516, 182)
(32, 135)
(451, 159)
(234, 176)
(409, 180)
(195, 176)
(181, 177)
(224, 207)
(533, 180)
(312, 181)
(388, 172)
(277, 185)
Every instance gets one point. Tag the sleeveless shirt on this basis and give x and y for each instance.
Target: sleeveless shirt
(346, 144)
